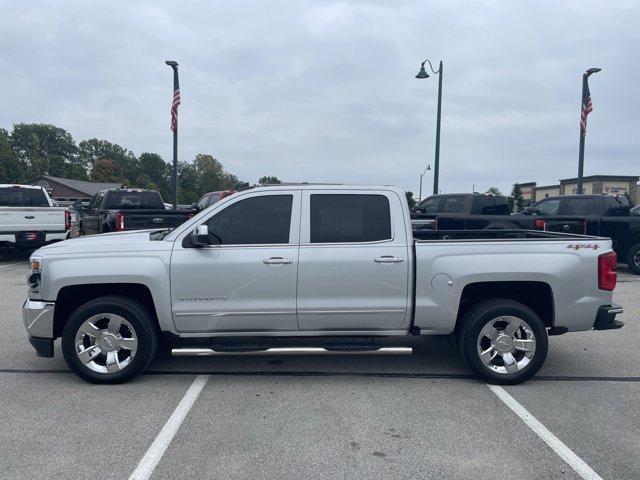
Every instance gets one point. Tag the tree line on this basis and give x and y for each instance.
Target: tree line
(31, 150)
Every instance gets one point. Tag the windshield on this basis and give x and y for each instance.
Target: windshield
(22, 197)
(123, 200)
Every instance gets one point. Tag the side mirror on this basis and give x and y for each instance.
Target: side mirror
(200, 236)
(194, 206)
(77, 205)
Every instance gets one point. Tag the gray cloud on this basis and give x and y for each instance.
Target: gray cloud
(325, 91)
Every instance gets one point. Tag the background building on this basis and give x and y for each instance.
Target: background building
(65, 189)
(592, 185)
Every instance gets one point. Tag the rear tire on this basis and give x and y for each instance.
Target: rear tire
(503, 341)
(109, 340)
(633, 258)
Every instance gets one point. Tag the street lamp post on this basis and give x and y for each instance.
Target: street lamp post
(423, 74)
(584, 102)
(427, 168)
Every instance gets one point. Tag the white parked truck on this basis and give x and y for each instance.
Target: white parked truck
(329, 268)
(29, 219)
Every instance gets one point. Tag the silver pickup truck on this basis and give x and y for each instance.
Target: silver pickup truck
(328, 268)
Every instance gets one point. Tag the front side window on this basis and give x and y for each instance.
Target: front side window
(258, 220)
(430, 205)
(202, 204)
(548, 207)
(349, 218)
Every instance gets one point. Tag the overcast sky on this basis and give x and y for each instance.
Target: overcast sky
(315, 91)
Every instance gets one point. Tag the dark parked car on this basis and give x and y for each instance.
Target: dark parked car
(127, 209)
(599, 215)
(423, 215)
(210, 198)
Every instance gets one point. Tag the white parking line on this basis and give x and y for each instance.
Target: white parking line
(12, 264)
(155, 452)
(564, 452)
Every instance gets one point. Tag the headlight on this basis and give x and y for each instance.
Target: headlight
(34, 278)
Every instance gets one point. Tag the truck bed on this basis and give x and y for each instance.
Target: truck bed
(436, 235)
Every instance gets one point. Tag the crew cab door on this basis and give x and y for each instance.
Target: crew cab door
(90, 217)
(354, 261)
(247, 283)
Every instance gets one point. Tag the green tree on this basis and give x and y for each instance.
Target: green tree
(269, 180)
(44, 149)
(12, 169)
(410, 200)
(493, 191)
(187, 183)
(106, 170)
(516, 199)
(155, 174)
(93, 149)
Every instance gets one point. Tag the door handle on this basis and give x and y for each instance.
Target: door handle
(388, 259)
(277, 261)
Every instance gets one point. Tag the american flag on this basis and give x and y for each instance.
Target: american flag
(174, 104)
(587, 107)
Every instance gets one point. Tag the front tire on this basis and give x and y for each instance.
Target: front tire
(633, 258)
(503, 341)
(109, 340)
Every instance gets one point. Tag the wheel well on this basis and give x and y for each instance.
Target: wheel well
(72, 297)
(535, 295)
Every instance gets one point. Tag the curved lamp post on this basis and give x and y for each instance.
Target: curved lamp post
(423, 74)
(427, 168)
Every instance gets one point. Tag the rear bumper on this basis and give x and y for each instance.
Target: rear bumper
(33, 238)
(606, 317)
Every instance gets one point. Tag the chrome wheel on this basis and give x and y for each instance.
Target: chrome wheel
(506, 344)
(106, 343)
(636, 258)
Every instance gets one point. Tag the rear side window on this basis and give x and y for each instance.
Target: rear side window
(258, 220)
(22, 197)
(453, 205)
(350, 218)
(580, 206)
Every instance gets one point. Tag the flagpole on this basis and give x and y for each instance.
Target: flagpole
(174, 179)
(582, 134)
(583, 123)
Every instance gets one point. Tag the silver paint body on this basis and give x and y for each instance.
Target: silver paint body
(306, 289)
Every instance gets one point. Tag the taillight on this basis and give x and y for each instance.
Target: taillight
(67, 220)
(607, 276)
(540, 223)
(119, 221)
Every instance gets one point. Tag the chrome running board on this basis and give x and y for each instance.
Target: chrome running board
(184, 352)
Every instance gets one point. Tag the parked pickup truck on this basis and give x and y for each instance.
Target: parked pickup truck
(29, 219)
(335, 268)
(603, 215)
(424, 214)
(121, 209)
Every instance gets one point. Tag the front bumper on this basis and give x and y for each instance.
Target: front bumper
(606, 317)
(38, 318)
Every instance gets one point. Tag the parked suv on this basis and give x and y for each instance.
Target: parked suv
(210, 198)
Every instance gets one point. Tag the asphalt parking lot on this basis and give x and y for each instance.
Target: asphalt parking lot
(415, 416)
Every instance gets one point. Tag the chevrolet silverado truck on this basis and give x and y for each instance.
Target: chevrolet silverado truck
(330, 268)
(29, 219)
(119, 209)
